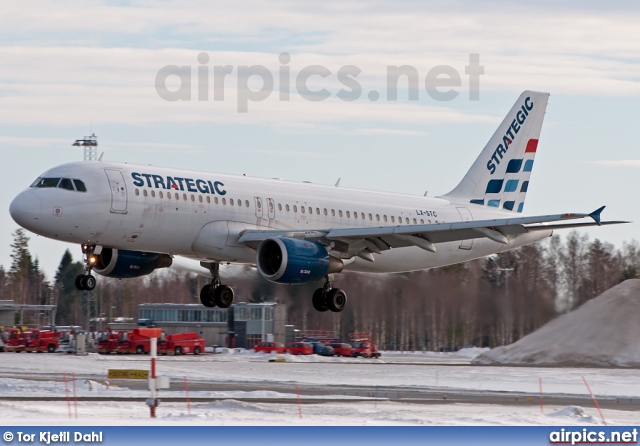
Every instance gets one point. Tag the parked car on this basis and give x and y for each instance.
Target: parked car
(300, 348)
(342, 349)
(268, 347)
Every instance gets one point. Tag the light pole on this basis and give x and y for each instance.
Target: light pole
(507, 306)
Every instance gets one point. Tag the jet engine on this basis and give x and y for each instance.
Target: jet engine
(290, 260)
(123, 264)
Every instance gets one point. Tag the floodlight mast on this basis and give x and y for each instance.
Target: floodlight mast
(90, 145)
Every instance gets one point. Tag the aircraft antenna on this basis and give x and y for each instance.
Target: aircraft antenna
(90, 145)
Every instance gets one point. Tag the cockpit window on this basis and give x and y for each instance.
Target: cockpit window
(79, 186)
(65, 183)
(46, 182)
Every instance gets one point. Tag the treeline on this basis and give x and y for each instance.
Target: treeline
(487, 302)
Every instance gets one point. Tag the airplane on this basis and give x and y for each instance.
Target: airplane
(133, 219)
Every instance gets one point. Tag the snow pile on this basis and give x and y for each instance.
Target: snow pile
(602, 332)
(575, 412)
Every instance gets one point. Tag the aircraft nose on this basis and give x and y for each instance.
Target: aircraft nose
(26, 209)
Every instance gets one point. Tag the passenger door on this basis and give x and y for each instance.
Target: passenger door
(118, 191)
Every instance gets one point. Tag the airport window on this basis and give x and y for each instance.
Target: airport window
(246, 203)
(144, 192)
(80, 186)
(153, 194)
(231, 201)
(287, 207)
(302, 209)
(46, 182)
(65, 183)
(224, 201)
(137, 192)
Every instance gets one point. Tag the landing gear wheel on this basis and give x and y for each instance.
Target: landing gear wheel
(319, 300)
(89, 282)
(206, 297)
(79, 280)
(223, 296)
(336, 300)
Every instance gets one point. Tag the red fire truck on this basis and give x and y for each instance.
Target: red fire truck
(363, 346)
(181, 343)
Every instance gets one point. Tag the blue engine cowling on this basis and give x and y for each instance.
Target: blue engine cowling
(291, 260)
(123, 264)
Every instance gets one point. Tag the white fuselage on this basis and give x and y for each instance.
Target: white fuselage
(200, 215)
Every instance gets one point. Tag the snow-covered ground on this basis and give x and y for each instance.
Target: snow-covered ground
(41, 375)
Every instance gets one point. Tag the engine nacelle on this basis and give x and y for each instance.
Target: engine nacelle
(123, 264)
(291, 260)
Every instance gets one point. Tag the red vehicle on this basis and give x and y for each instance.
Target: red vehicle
(300, 348)
(181, 343)
(14, 340)
(107, 341)
(41, 341)
(363, 346)
(268, 347)
(342, 349)
(132, 342)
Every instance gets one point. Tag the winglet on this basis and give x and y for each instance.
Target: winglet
(596, 215)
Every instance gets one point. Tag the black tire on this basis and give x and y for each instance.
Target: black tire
(196, 350)
(206, 297)
(139, 350)
(336, 300)
(89, 282)
(177, 351)
(223, 296)
(79, 282)
(51, 348)
(319, 300)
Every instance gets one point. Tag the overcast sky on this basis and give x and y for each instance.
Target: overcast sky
(72, 67)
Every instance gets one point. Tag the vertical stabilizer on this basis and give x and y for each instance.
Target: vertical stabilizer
(500, 175)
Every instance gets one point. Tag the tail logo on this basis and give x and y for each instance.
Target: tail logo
(510, 135)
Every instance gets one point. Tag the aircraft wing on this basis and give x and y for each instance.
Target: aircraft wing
(367, 240)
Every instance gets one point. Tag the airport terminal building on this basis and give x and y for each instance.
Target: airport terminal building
(242, 325)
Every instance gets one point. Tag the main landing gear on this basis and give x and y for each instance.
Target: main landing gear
(86, 281)
(215, 294)
(328, 298)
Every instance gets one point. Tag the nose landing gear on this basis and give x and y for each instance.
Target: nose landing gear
(215, 294)
(86, 281)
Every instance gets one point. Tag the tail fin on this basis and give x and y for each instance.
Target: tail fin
(500, 175)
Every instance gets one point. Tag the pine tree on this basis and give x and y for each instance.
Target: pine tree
(21, 266)
(68, 295)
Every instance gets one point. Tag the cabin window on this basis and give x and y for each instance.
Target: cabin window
(153, 194)
(421, 221)
(224, 201)
(161, 194)
(246, 203)
(302, 209)
(310, 210)
(184, 197)
(137, 192)
(208, 199)
(231, 201)
(362, 215)
(215, 200)
(340, 213)
(318, 211)
(348, 214)
(406, 220)
(385, 218)
(415, 222)
(287, 207)
(325, 211)
(370, 217)
(333, 213)
(295, 208)
(393, 219)
(66, 183)
(279, 206)
(144, 192)
(46, 182)
(199, 198)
